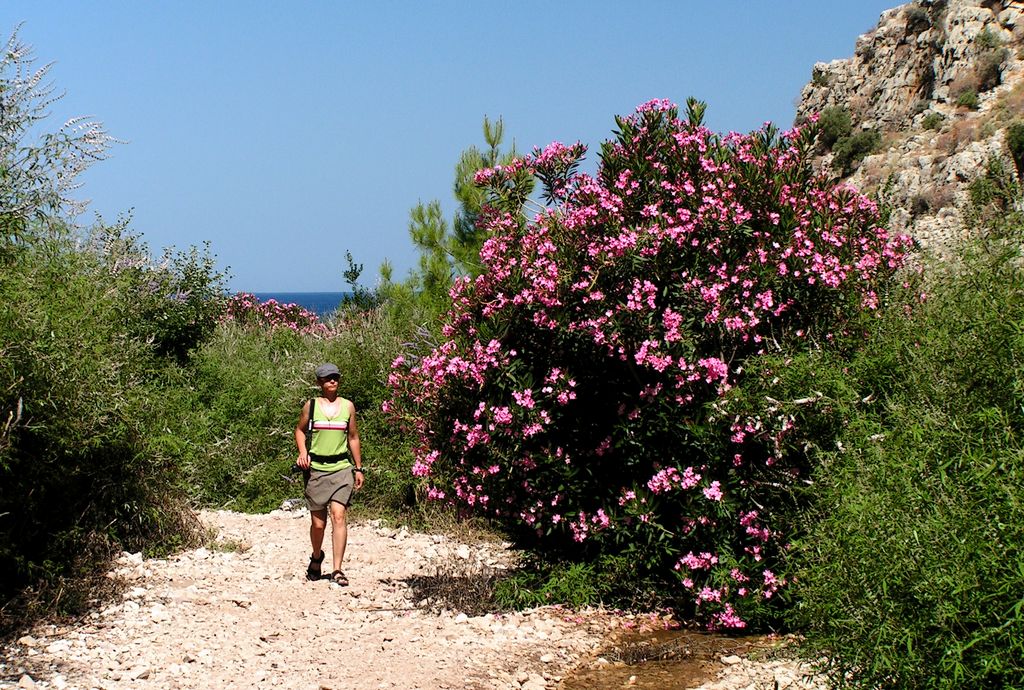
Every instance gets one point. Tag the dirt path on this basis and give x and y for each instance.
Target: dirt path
(242, 615)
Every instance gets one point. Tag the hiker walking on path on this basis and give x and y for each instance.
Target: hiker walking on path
(329, 455)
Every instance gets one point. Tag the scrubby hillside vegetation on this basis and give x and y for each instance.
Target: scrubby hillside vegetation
(911, 566)
(711, 376)
(86, 324)
(132, 389)
(928, 96)
(911, 571)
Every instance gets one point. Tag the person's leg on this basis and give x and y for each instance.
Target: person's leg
(317, 528)
(315, 501)
(339, 532)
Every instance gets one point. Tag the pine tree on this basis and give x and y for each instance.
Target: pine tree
(448, 251)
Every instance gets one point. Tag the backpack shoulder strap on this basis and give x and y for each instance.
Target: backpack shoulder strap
(309, 424)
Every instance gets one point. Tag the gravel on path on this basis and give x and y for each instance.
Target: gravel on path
(241, 614)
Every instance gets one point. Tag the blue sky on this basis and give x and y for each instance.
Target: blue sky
(287, 133)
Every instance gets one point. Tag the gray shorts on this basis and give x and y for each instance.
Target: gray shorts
(324, 487)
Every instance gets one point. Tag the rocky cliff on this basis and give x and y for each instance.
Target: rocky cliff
(929, 94)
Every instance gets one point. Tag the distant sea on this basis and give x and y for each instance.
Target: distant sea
(321, 303)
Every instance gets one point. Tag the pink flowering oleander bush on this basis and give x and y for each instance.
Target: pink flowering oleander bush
(247, 310)
(578, 394)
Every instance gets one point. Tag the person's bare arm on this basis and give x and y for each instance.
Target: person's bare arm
(300, 437)
(353, 445)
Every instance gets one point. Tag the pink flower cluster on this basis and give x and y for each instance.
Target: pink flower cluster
(579, 365)
(669, 479)
(247, 310)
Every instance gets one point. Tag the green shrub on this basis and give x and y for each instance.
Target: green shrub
(76, 481)
(989, 69)
(573, 584)
(173, 302)
(77, 404)
(992, 194)
(912, 567)
(987, 41)
(968, 99)
(834, 124)
(609, 581)
(184, 314)
(850, 150)
(917, 20)
(1015, 143)
(933, 121)
(576, 396)
(234, 432)
(234, 427)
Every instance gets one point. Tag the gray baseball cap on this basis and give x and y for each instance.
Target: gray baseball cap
(325, 370)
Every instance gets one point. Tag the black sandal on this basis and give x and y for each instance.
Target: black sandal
(313, 570)
(338, 578)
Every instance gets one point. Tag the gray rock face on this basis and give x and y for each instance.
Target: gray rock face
(911, 61)
(907, 80)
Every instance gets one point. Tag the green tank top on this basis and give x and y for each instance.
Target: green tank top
(330, 438)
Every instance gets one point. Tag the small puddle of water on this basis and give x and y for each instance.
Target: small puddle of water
(662, 659)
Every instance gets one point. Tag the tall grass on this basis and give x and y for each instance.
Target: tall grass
(912, 568)
(87, 323)
(247, 385)
(76, 388)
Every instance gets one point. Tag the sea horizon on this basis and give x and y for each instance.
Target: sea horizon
(320, 303)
